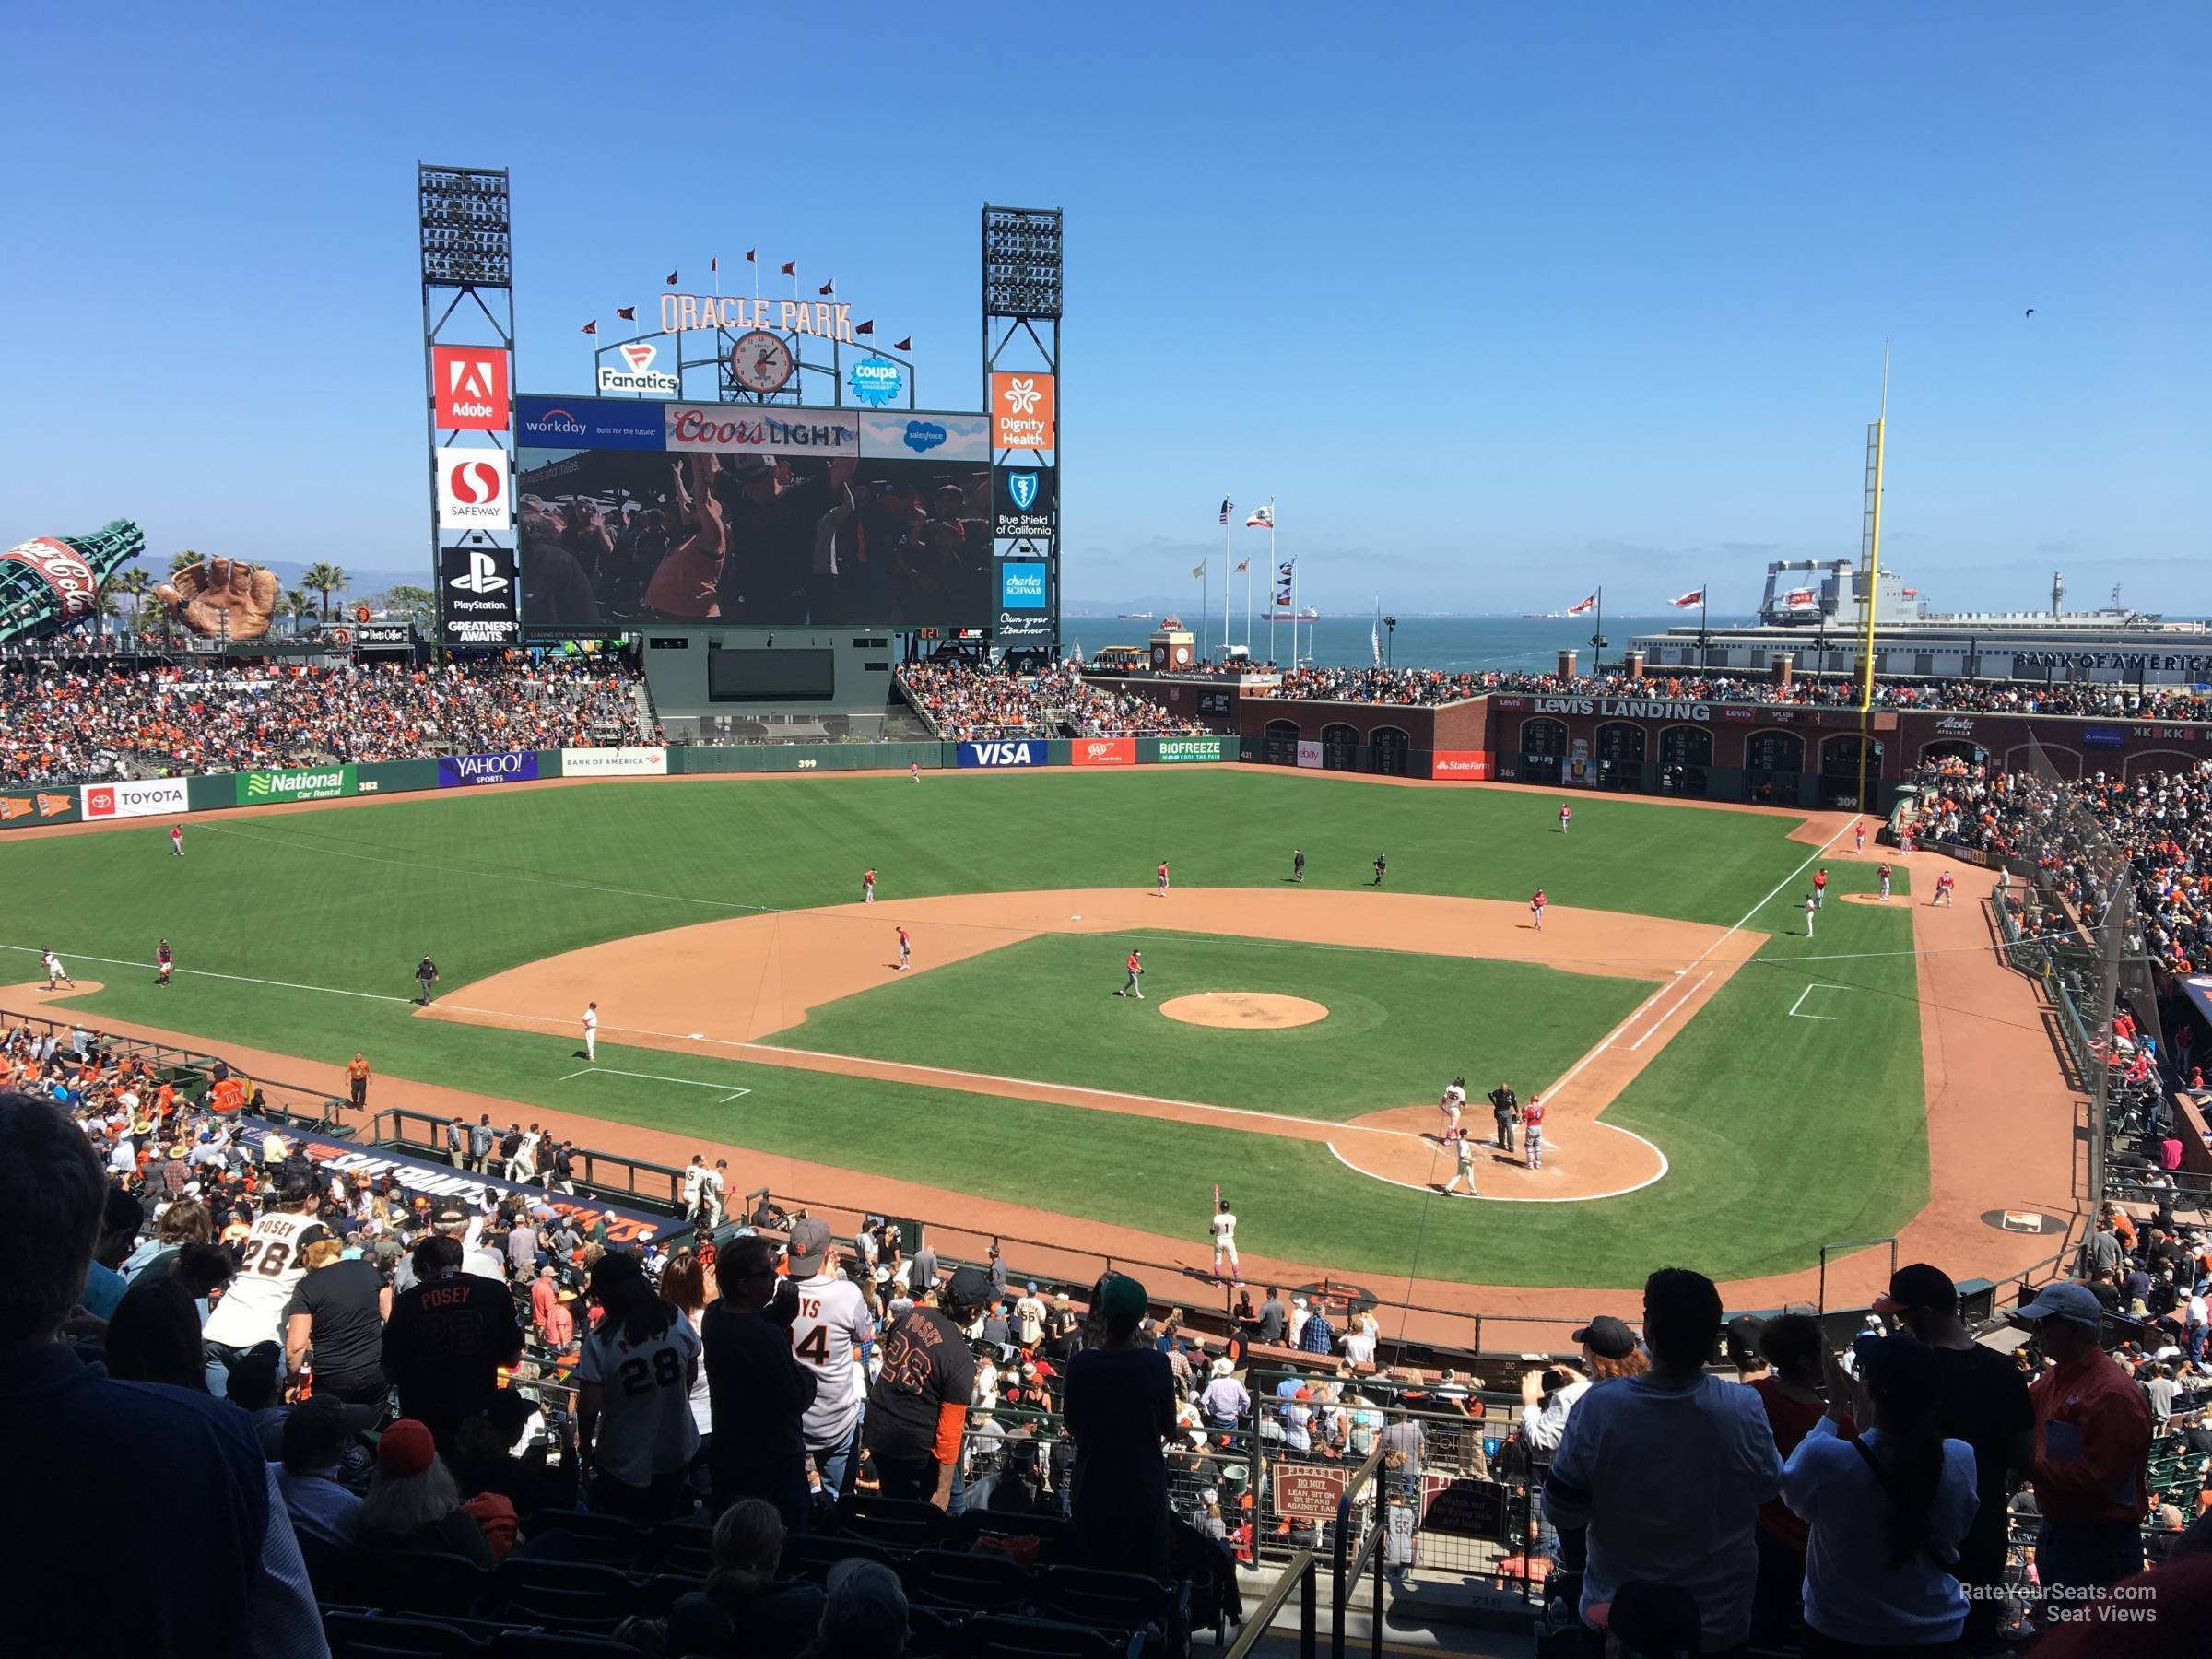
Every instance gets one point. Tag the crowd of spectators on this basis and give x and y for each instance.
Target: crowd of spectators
(68, 723)
(963, 702)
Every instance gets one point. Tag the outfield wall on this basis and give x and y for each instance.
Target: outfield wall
(167, 798)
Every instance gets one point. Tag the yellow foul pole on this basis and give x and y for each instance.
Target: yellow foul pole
(1872, 568)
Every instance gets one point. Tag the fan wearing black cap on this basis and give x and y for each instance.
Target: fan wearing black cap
(1120, 1405)
(1549, 1395)
(2092, 1438)
(1981, 1398)
(918, 1406)
(271, 1263)
(1667, 1470)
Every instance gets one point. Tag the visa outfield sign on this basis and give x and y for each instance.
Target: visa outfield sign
(310, 784)
(1017, 751)
(462, 771)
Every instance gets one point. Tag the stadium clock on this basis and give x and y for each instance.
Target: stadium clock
(760, 361)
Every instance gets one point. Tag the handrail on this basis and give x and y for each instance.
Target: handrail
(1299, 1574)
(1345, 1567)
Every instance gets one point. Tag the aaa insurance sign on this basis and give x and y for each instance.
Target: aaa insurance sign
(470, 385)
(472, 489)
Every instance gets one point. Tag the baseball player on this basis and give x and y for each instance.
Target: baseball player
(1944, 884)
(591, 1031)
(1463, 1152)
(164, 963)
(55, 974)
(868, 887)
(1298, 863)
(914, 771)
(1452, 1105)
(1883, 873)
(1161, 892)
(1535, 908)
(176, 841)
(1532, 1131)
(1566, 817)
(906, 952)
(1382, 862)
(1224, 1228)
(1136, 969)
(1820, 888)
(1858, 835)
(1810, 906)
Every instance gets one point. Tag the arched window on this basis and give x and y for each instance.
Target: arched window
(1773, 763)
(1620, 747)
(1684, 760)
(1390, 745)
(1543, 750)
(1282, 742)
(1340, 748)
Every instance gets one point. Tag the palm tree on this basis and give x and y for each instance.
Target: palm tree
(325, 578)
(419, 604)
(181, 561)
(134, 583)
(297, 605)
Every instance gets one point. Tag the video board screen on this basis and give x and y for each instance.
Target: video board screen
(780, 517)
(800, 676)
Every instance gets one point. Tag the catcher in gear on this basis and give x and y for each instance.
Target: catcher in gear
(203, 595)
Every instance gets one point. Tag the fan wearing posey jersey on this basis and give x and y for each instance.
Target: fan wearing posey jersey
(1224, 1228)
(269, 1270)
(830, 1337)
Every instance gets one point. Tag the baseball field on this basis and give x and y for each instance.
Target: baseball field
(1721, 1091)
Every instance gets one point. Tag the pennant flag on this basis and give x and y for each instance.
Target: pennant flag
(867, 327)
(791, 268)
(713, 261)
(1242, 567)
(628, 313)
(1263, 518)
(1226, 504)
(752, 256)
(672, 279)
(1588, 604)
(1198, 572)
(1798, 596)
(828, 288)
(1695, 596)
(905, 344)
(591, 327)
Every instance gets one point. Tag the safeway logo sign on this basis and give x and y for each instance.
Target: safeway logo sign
(472, 489)
(640, 376)
(470, 386)
(1024, 411)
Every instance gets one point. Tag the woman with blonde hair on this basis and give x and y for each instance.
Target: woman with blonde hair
(776, 1618)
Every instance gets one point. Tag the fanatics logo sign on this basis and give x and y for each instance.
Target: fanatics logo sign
(470, 384)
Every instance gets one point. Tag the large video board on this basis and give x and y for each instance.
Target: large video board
(631, 512)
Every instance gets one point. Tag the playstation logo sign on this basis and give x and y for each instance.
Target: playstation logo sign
(482, 575)
(640, 376)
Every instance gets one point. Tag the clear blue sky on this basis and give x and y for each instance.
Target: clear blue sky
(1499, 302)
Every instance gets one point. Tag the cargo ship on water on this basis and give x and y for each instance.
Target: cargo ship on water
(1813, 612)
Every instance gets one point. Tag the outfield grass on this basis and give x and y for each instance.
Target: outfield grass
(1784, 1132)
(1400, 1026)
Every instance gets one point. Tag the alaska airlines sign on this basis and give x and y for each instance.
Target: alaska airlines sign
(1638, 708)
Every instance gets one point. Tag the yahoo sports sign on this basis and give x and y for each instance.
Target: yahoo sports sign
(461, 772)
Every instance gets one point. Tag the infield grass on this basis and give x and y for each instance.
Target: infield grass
(1784, 1132)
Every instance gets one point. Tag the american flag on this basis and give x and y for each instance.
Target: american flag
(1226, 504)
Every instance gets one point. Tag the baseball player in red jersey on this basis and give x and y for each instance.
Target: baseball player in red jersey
(906, 950)
(1161, 892)
(868, 887)
(1820, 888)
(1883, 873)
(1858, 835)
(1532, 1131)
(913, 771)
(1536, 908)
(1944, 884)
(176, 841)
(1566, 817)
(1136, 969)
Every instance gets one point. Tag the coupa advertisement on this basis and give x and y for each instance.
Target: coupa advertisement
(463, 771)
(310, 784)
(435, 1179)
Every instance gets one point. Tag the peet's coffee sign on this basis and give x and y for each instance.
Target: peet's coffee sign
(1610, 707)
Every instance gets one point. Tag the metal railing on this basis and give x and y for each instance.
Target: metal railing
(1300, 1577)
(603, 1174)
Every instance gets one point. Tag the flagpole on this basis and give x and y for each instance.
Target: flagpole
(1248, 607)
(1224, 582)
(1200, 573)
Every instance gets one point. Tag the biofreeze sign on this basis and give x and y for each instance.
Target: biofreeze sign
(1019, 751)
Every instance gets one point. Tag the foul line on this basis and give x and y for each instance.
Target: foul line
(1680, 1003)
(1816, 985)
(238, 979)
(616, 1071)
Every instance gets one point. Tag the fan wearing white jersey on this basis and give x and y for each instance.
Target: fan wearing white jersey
(253, 1309)
(830, 1337)
(1224, 1228)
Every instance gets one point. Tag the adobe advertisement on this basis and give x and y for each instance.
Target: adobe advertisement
(470, 385)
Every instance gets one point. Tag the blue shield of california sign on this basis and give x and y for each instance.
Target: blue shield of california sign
(1022, 487)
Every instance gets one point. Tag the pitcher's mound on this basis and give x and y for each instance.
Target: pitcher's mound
(1244, 1010)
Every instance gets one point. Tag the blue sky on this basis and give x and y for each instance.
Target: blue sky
(1499, 304)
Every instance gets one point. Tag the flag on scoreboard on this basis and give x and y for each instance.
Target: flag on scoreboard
(791, 268)
(905, 344)
(628, 313)
(1588, 604)
(828, 288)
(591, 327)
(868, 328)
(1263, 518)
(1695, 596)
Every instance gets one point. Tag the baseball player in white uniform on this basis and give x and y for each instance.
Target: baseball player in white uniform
(55, 973)
(1224, 1228)
(833, 1331)
(1810, 907)
(1463, 1152)
(591, 1030)
(1452, 1105)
